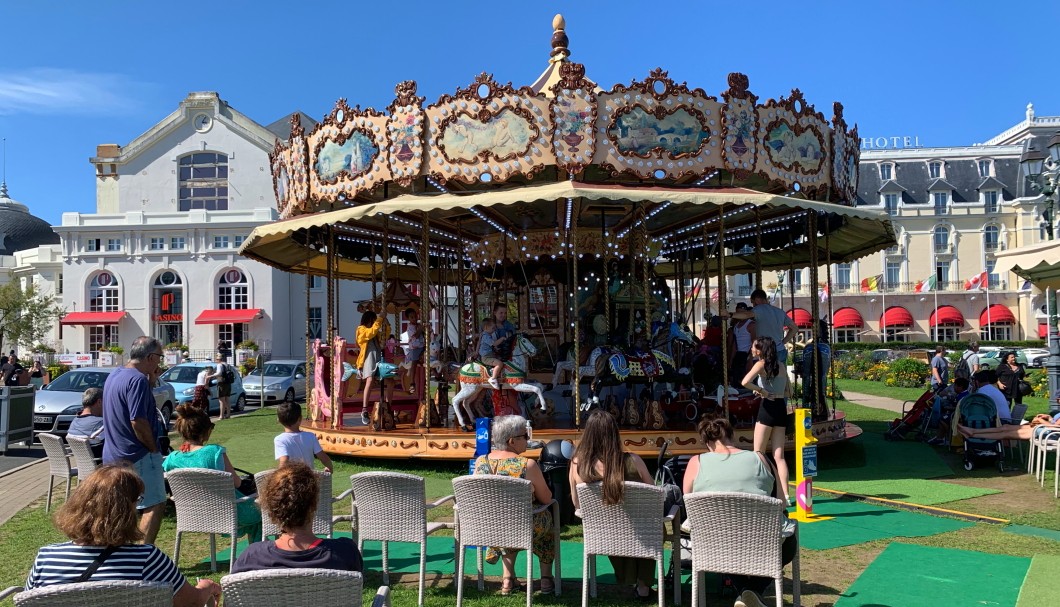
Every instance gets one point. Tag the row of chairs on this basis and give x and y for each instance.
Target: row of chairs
(59, 460)
(269, 588)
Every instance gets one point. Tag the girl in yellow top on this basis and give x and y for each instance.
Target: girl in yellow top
(369, 356)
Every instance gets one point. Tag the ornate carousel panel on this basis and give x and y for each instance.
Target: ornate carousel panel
(405, 133)
(347, 154)
(795, 146)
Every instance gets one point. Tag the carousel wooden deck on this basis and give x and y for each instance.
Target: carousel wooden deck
(410, 441)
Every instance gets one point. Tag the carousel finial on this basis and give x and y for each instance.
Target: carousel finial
(559, 38)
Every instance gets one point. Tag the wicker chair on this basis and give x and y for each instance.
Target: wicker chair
(379, 495)
(83, 456)
(298, 588)
(479, 499)
(738, 534)
(635, 528)
(323, 520)
(1044, 441)
(58, 464)
(94, 594)
(206, 503)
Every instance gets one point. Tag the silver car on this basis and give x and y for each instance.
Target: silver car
(58, 403)
(283, 380)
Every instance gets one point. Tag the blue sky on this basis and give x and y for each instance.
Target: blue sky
(77, 74)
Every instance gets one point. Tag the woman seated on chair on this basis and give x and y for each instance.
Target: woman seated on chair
(599, 457)
(100, 520)
(510, 435)
(289, 498)
(726, 467)
(195, 427)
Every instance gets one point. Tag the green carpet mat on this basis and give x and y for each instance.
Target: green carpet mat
(913, 576)
(856, 522)
(1049, 534)
(1039, 587)
(896, 470)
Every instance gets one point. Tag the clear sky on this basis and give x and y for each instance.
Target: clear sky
(77, 74)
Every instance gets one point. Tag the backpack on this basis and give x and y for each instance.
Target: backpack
(963, 370)
(228, 376)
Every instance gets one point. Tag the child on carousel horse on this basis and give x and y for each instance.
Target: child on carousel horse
(495, 347)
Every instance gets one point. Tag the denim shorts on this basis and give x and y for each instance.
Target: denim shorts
(149, 468)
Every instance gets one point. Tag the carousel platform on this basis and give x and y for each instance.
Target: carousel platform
(450, 443)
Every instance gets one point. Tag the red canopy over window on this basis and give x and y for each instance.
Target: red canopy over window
(996, 314)
(946, 316)
(224, 317)
(801, 317)
(846, 318)
(93, 318)
(896, 317)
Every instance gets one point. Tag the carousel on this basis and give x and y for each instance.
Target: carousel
(595, 220)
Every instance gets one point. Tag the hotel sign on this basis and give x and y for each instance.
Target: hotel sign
(890, 143)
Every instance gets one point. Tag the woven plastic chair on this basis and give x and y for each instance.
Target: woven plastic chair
(83, 456)
(738, 534)
(298, 588)
(635, 528)
(117, 593)
(392, 507)
(498, 511)
(58, 464)
(206, 503)
(323, 520)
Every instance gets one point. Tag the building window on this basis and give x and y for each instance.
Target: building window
(167, 307)
(993, 280)
(157, 244)
(892, 333)
(842, 277)
(176, 243)
(316, 282)
(92, 244)
(890, 203)
(846, 335)
(114, 245)
(991, 238)
(59, 283)
(984, 168)
(941, 239)
(942, 200)
(934, 170)
(316, 323)
(885, 171)
(942, 274)
(237, 241)
(220, 242)
(990, 201)
(232, 291)
(894, 274)
(947, 333)
(203, 182)
(101, 336)
(996, 331)
(103, 293)
(233, 334)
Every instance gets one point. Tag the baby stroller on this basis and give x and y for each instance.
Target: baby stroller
(979, 411)
(670, 474)
(916, 419)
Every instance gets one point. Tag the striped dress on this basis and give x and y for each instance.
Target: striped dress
(64, 563)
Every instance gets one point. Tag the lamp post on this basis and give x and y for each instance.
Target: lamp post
(1043, 172)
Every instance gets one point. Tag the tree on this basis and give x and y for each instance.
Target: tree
(26, 314)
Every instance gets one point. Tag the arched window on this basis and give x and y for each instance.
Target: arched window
(991, 238)
(103, 293)
(203, 181)
(941, 239)
(167, 307)
(232, 291)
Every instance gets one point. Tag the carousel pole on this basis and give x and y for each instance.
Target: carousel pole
(381, 409)
(647, 275)
(831, 331)
(606, 278)
(758, 248)
(425, 316)
(705, 279)
(308, 338)
(572, 243)
(723, 304)
(332, 323)
(461, 307)
(632, 276)
(815, 311)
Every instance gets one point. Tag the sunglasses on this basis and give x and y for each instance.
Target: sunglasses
(522, 436)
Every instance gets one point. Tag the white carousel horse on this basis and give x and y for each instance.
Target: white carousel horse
(474, 376)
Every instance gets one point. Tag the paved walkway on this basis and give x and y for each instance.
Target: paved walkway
(876, 402)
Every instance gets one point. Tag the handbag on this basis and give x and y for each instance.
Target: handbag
(1025, 388)
(247, 485)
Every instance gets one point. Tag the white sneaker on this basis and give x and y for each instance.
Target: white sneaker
(748, 599)
(364, 418)
(494, 384)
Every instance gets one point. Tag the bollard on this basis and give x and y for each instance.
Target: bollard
(805, 466)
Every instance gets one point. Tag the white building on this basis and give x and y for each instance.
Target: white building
(159, 256)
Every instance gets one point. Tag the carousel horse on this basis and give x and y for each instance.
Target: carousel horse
(320, 399)
(657, 363)
(474, 376)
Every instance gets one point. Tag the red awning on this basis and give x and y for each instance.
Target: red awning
(93, 318)
(995, 314)
(896, 316)
(801, 317)
(946, 316)
(846, 318)
(225, 317)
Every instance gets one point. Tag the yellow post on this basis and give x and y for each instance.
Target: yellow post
(805, 467)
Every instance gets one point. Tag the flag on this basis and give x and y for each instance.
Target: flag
(822, 293)
(979, 281)
(928, 284)
(714, 296)
(1025, 287)
(871, 284)
(691, 295)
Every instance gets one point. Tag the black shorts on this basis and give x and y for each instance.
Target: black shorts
(773, 413)
(224, 389)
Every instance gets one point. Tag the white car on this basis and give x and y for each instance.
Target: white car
(283, 380)
(1036, 356)
(58, 403)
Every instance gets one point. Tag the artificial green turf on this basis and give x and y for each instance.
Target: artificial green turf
(1039, 587)
(855, 522)
(1050, 534)
(915, 576)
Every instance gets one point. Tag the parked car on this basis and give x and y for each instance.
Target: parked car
(182, 377)
(991, 359)
(1036, 357)
(883, 355)
(283, 380)
(59, 402)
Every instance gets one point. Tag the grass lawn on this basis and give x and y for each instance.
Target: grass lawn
(826, 573)
(1035, 404)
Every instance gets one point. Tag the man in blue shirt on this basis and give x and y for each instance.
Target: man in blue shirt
(132, 429)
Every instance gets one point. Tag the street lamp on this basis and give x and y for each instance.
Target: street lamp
(1043, 173)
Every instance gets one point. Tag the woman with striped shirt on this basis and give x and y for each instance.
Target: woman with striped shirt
(100, 520)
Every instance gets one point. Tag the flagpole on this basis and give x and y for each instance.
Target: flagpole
(989, 325)
(935, 269)
(883, 294)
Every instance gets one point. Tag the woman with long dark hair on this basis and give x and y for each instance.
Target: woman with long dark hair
(369, 356)
(599, 458)
(771, 386)
(1009, 375)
